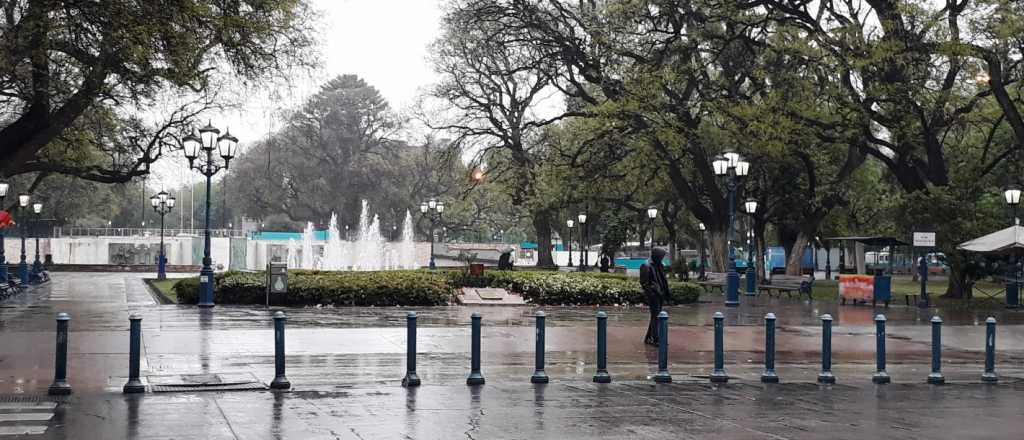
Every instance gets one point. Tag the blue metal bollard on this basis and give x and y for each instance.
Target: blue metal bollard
(410, 379)
(769, 375)
(538, 373)
(475, 378)
(60, 385)
(990, 375)
(826, 376)
(936, 377)
(280, 382)
(663, 375)
(134, 385)
(880, 376)
(718, 374)
(602, 375)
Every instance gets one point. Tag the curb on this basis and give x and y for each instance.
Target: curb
(156, 293)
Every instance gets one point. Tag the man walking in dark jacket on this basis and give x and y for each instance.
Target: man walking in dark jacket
(655, 285)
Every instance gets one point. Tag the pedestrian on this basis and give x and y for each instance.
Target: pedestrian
(655, 285)
(605, 262)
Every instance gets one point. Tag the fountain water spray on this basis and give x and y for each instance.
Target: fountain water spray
(370, 251)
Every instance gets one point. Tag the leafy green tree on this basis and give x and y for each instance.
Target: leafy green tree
(75, 74)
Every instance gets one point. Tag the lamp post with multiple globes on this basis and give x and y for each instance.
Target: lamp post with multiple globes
(731, 167)
(199, 152)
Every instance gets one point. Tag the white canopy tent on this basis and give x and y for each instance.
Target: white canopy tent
(1006, 241)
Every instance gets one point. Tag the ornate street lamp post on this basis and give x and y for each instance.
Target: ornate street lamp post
(652, 213)
(568, 241)
(750, 206)
(733, 168)
(37, 265)
(584, 236)
(434, 209)
(163, 204)
(4, 187)
(23, 200)
(202, 145)
(702, 228)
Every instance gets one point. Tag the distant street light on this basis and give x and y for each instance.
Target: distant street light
(162, 203)
(750, 206)
(722, 165)
(652, 213)
(23, 201)
(208, 139)
(433, 209)
(702, 228)
(584, 237)
(37, 265)
(568, 241)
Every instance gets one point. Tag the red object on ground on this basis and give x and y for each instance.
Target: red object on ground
(5, 219)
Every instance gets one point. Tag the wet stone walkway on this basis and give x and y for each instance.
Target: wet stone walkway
(555, 411)
(345, 365)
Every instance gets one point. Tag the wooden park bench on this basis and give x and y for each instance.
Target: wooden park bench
(789, 284)
(713, 280)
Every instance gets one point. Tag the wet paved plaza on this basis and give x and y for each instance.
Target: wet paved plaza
(345, 365)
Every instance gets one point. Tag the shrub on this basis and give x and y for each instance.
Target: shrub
(426, 288)
(187, 290)
(580, 288)
(410, 288)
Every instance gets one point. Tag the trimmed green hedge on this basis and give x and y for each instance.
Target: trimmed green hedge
(579, 288)
(408, 288)
(425, 288)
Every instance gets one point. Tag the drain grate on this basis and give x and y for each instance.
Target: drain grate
(25, 398)
(251, 386)
(205, 382)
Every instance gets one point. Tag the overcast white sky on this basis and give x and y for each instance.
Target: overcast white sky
(383, 41)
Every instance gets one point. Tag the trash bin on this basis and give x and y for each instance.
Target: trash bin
(1012, 294)
(883, 289)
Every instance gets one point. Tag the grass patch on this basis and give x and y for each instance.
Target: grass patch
(828, 290)
(166, 287)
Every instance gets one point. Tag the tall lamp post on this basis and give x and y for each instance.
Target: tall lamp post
(37, 265)
(434, 209)
(23, 200)
(162, 204)
(583, 241)
(1012, 195)
(701, 227)
(568, 242)
(4, 186)
(652, 213)
(733, 168)
(208, 139)
(750, 206)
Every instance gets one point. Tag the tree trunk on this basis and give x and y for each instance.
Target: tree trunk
(718, 248)
(960, 283)
(542, 227)
(672, 248)
(761, 250)
(795, 255)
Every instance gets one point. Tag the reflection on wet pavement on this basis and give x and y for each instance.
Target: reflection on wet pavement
(347, 345)
(630, 410)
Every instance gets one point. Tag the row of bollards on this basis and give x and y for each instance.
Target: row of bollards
(718, 373)
(61, 386)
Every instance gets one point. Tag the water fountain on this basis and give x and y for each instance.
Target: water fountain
(369, 251)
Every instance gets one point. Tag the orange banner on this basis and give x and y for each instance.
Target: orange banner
(860, 287)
